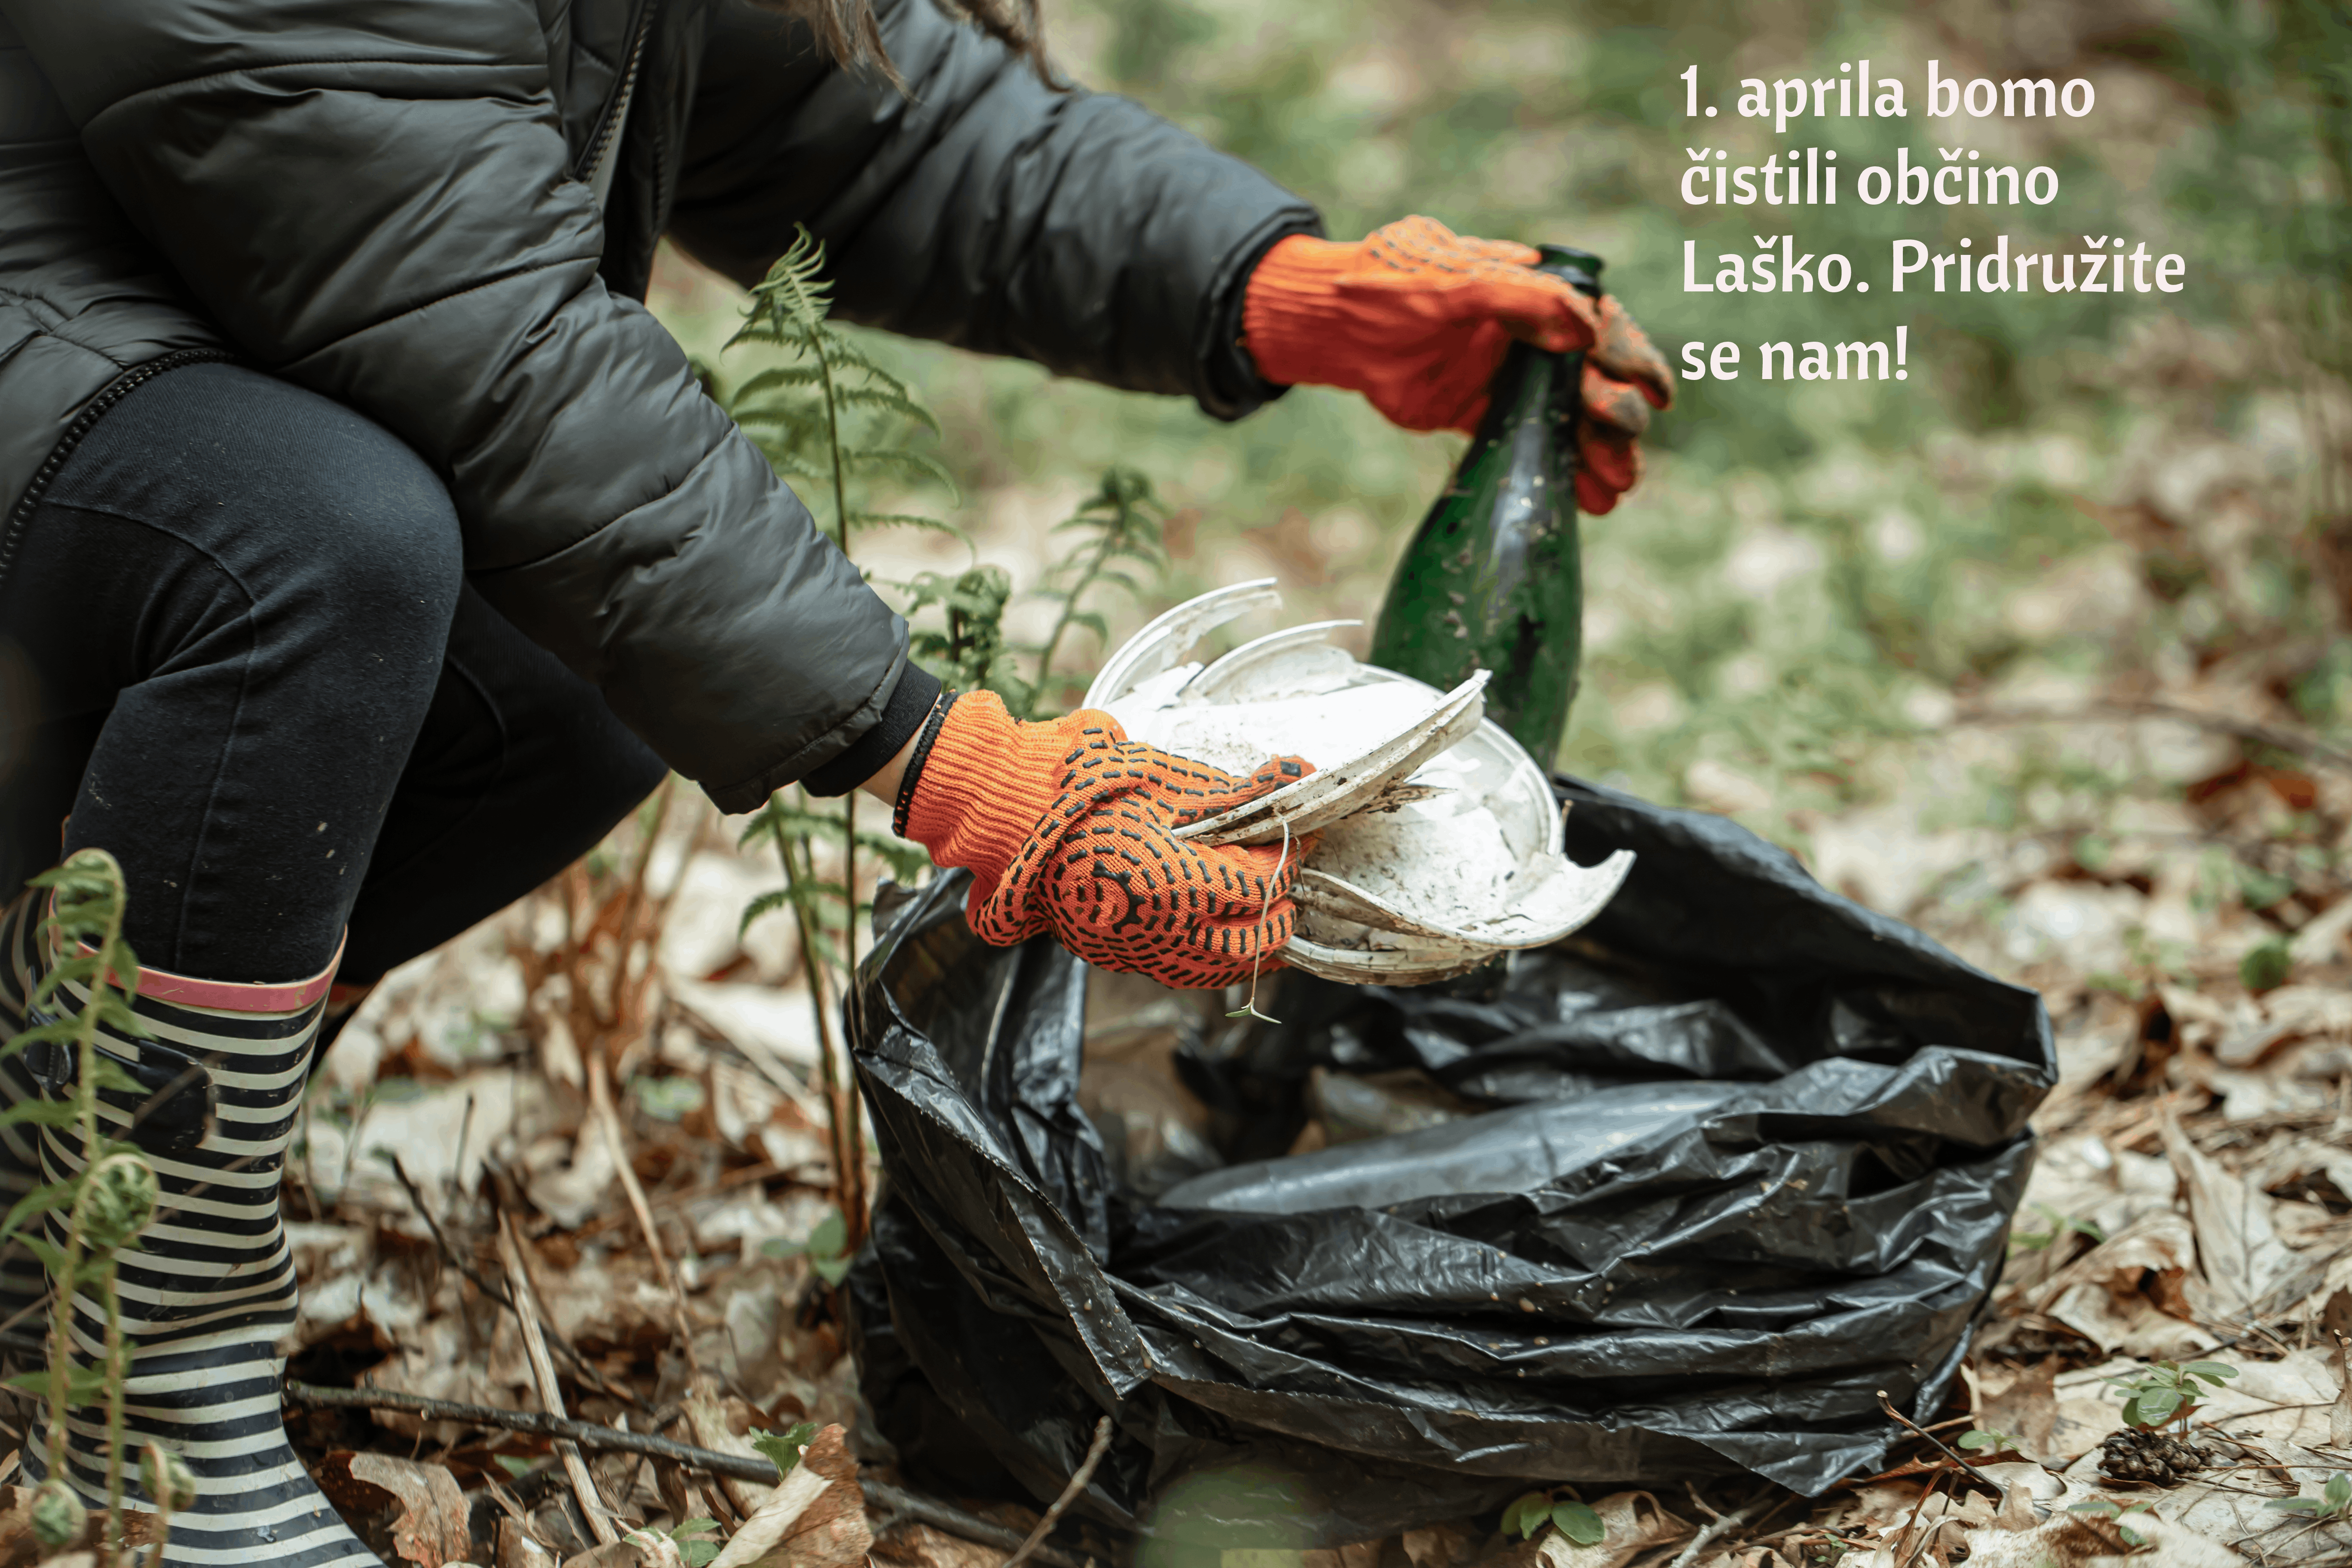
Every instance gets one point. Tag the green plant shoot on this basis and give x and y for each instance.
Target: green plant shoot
(2334, 1502)
(2167, 1391)
(112, 1198)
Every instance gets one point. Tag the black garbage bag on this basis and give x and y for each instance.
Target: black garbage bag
(1749, 1156)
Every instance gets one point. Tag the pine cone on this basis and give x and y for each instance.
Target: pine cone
(2139, 1454)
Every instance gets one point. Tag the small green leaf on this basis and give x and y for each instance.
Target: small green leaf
(2102, 1507)
(696, 1553)
(1527, 1514)
(2267, 964)
(513, 1465)
(1578, 1523)
(669, 1099)
(2294, 1504)
(2337, 1492)
(2157, 1405)
(782, 1450)
(2212, 1371)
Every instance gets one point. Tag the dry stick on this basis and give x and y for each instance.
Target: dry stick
(579, 1363)
(1084, 1473)
(856, 1232)
(636, 897)
(542, 1369)
(1909, 1524)
(1714, 1528)
(846, 1196)
(599, 1106)
(590, 1436)
(1981, 1479)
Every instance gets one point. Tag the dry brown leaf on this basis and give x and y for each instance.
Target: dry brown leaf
(430, 1528)
(613, 1554)
(2021, 1485)
(718, 1421)
(515, 1547)
(764, 1532)
(2290, 1400)
(817, 1518)
(1441, 1545)
(833, 1533)
(2339, 1414)
(2019, 1399)
(2080, 1540)
(2082, 1178)
(1635, 1521)
(2239, 1253)
(911, 1544)
(2129, 1292)
(17, 1547)
(2054, 1429)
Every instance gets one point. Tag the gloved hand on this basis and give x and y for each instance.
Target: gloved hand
(1418, 318)
(1065, 826)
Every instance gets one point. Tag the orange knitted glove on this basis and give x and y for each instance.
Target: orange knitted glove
(1066, 827)
(1418, 318)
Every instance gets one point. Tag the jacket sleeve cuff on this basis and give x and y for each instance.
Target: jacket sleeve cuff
(1232, 383)
(904, 714)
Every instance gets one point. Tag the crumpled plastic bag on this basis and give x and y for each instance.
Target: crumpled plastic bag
(1750, 1155)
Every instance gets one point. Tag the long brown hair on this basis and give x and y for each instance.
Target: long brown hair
(846, 31)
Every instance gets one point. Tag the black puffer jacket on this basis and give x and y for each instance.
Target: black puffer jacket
(385, 201)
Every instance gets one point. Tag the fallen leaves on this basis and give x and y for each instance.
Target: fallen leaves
(426, 1512)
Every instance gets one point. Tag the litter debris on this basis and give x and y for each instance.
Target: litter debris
(1439, 842)
(1740, 1144)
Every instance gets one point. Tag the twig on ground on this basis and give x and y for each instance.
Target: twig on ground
(542, 1369)
(589, 1435)
(1083, 1474)
(1773, 1511)
(599, 1106)
(1911, 1556)
(1715, 1528)
(1978, 1476)
(1699, 1502)
(497, 1292)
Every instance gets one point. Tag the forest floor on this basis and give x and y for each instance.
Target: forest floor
(2116, 791)
(611, 1066)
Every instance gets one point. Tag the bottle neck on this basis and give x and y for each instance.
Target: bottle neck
(1531, 383)
(1532, 387)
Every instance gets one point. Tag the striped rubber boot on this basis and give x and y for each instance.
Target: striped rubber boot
(23, 1285)
(211, 1285)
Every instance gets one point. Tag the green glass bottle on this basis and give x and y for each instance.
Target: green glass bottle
(1494, 579)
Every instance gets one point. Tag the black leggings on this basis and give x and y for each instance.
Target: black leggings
(237, 646)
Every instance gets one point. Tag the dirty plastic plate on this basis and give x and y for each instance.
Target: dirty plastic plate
(1471, 865)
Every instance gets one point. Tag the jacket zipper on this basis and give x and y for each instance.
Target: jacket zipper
(112, 393)
(607, 126)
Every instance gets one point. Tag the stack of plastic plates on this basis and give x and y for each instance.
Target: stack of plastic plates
(1437, 844)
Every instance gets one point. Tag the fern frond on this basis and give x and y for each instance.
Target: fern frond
(906, 861)
(909, 520)
(775, 379)
(789, 465)
(892, 400)
(868, 459)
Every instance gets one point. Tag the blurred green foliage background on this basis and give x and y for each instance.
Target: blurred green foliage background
(2072, 500)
